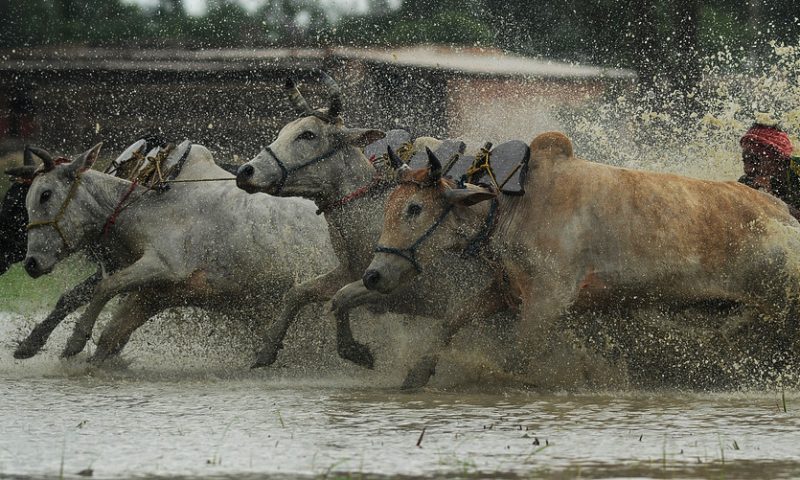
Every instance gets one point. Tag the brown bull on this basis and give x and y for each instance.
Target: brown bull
(591, 236)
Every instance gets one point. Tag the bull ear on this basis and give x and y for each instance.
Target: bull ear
(361, 137)
(470, 195)
(84, 161)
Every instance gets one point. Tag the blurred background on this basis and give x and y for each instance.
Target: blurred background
(76, 72)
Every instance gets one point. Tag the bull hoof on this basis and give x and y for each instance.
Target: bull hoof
(357, 353)
(267, 355)
(27, 348)
(101, 356)
(75, 345)
(420, 374)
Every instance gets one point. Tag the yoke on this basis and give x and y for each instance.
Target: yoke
(504, 167)
(153, 168)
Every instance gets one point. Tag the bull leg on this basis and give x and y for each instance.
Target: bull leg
(318, 289)
(67, 303)
(142, 273)
(131, 314)
(347, 298)
(483, 306)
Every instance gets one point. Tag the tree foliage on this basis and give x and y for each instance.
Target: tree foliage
(658, 38)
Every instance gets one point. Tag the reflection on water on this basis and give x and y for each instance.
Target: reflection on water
(159, 419)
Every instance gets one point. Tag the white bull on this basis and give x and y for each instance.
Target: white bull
(319, 158)
(199, 244)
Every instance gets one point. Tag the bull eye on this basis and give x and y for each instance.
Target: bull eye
(45, 196)
(414, 209)
(307, 135)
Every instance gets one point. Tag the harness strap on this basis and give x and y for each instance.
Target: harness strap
(410, 253)
(485, 232)
(377, 181)
(286, 171)
(54, 221)
(112, 219)
(472, 248)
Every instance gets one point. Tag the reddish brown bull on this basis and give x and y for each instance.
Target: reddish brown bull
(588, 235)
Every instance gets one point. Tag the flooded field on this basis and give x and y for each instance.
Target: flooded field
(187, 406)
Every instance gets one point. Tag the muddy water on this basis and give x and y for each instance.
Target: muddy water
(180, 409)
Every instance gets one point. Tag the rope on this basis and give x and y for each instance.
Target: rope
(358, 193)
(112, 219)
(54, 221)
(198, 180)
(377, 180)
(482, 163)
(406, 151)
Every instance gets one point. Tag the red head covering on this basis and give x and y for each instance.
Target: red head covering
(761, 138)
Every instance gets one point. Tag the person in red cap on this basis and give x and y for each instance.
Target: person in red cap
(769, 165)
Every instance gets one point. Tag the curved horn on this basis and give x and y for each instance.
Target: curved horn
(334, 92)
(434, 165)
(27, 157)
(47, 159)
(25, 171)
(395, 161)
(296, 98)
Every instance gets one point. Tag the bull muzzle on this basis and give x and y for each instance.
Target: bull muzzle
(244, 175)
(33, 267)
(371, 279)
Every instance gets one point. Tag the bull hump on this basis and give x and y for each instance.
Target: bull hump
(551, 144)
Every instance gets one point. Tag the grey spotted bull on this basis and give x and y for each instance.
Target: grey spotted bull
(592, 236)
(199, 244)
(319, 158)
(13, 220)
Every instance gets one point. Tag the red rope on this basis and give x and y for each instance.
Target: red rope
(358, 193)
(118, 209)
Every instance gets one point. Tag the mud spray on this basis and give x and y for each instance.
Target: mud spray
(652, 348)
(695, 134)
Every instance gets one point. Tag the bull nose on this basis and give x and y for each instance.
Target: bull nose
(371, 279)
(32, 267)
(244, 173)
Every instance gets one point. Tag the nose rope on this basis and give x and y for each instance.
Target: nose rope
(410, 253)
(286, 171)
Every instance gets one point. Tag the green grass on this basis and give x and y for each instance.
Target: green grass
(22, 294)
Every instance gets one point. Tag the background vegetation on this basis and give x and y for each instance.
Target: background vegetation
(665, 41)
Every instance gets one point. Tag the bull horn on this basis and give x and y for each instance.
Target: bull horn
(434, 165)
(396, 162)
(27, 157)
(47, 159)
(296, 98)
(25, 171)
(335, 94)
